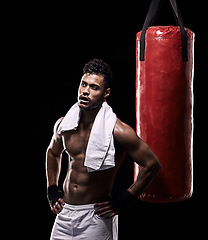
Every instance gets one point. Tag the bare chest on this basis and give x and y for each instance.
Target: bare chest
(76, 141)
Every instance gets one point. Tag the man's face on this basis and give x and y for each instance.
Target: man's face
(92, 91)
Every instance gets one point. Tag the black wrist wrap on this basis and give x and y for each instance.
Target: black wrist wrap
(53, 194)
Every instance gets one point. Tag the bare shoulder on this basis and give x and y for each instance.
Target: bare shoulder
(124, 134)
(56, 125)
(126, 137)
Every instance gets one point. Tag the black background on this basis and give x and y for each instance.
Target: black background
(45, 46)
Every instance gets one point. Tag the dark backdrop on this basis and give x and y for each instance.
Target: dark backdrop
(45, 47)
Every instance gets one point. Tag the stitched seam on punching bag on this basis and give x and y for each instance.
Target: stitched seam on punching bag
(147, 38)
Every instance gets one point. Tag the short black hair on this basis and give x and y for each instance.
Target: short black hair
(99, 67)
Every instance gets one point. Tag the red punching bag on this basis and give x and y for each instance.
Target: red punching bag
(164, 104)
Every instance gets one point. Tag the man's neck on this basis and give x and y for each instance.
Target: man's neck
(88, 116)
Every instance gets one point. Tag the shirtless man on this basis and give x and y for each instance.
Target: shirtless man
(91, 191)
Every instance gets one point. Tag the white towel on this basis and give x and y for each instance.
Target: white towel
(100, 152)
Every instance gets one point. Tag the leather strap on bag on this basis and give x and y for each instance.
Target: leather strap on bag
(149, 18)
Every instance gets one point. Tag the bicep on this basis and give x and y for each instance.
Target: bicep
(139, 151)
(56, 145)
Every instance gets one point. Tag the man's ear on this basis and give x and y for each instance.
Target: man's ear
(107, 92)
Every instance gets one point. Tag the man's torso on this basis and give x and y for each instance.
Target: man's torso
(81, 186)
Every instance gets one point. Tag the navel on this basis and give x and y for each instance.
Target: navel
(75, 186)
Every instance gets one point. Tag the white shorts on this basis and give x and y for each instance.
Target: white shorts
(76, 222)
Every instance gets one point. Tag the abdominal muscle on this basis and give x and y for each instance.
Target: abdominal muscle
(82, 187)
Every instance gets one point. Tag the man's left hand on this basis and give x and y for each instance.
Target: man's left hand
(115, 206)
(104, 209)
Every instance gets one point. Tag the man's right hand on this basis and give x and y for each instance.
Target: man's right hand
(55, 198)
(58, 206)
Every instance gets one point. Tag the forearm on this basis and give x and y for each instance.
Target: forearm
(53, 167)
(144, 178)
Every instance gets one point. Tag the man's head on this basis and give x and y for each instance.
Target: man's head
(98, 67)
(95, 84)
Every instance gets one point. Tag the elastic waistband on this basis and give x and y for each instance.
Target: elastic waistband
(79, 207)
